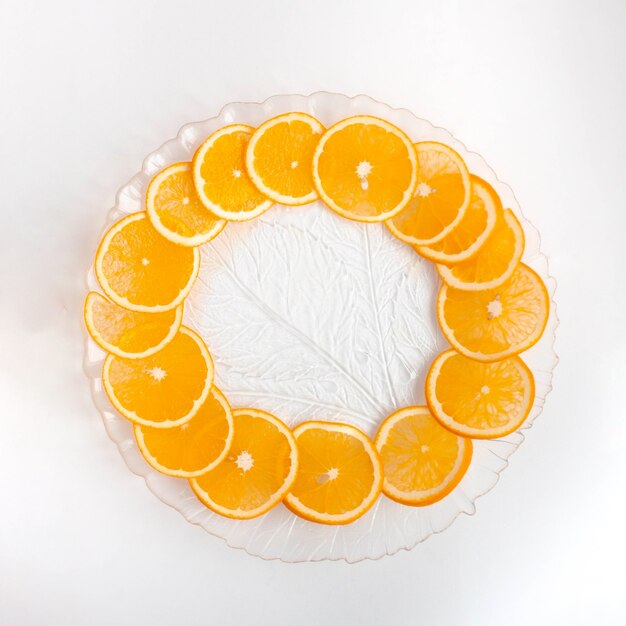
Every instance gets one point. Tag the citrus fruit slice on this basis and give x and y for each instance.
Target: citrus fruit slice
(422, 461)
(258, 470)
(340, 474)
(480, 400)
(440, 199)
(221, 179)
(141, 270)
(279, 158)
(466, 238)
(495, 261)
(129, 334)
(364, 169)
(165, 389)
(175, 210)
(493, 324)
(196, 446)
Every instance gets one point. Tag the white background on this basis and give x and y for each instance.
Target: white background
(87, 89)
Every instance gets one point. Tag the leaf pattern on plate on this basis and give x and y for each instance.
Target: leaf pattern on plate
(311, 316)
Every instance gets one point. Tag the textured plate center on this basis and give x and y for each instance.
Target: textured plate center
(311, 316)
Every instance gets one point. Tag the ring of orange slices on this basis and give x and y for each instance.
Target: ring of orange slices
(241, 462)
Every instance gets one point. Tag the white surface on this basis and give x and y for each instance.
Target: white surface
(89, 88)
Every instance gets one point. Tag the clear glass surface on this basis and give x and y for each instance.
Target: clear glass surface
(312, 316)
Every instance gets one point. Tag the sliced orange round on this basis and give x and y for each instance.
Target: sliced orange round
(279, 158)
(258, 470)
(165, 389)
(364, 169)
(493, 324)
(467, 237)
(422, 461)
(175, 210)
(196, 446)
(221, 178)
(141, 270)
(479, 400)
(129, 334)
(495, 261)
(340, 474)
(441, 196)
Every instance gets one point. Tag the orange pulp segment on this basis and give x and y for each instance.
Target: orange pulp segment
(422, 461)
(258, 470)
(279, 158)
(196, 446)
(440, 199)
(340, 474)
(364, 169)
(480, 400)
(129, 334)
(221, 178)
(164, 389)
(141, 270)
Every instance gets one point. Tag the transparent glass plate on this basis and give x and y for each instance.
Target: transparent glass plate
(312, 316)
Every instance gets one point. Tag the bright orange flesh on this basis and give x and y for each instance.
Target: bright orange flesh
(176, 211)
(165, 389)
(141, 270)
(422, 461)
(440, 199)
(467, 237)
(129, 334)
(480, 400)
(221, 178)
(279, 158)
(495, 261)
(364, 169)
(256, 473)
(340, 474)
(496, 323)
(193, 448)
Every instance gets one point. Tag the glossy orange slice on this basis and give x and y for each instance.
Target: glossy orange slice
(129, 334)
(196, 446)
(279, 158)
(467, 237)
(480, 400)
(440, 199)
(493, 324)
(495, 261)
(258, 470)
(422, 461)
(141, 270)
(221, 178)
(364, 169)
(175, 210)
(165, 389)
(340, 474)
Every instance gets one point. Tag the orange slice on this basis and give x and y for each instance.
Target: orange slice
(496, 323)
(364, 169)
(340, 474)
(422, 461)
(258, 470)
(441, 196)
(279, 158)
(129, 334)
(196, 446)
(142, 271)
(467, 237)
(175, 210)
(165, 389)
(496, 260)
(480, 400)
(221, 179)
